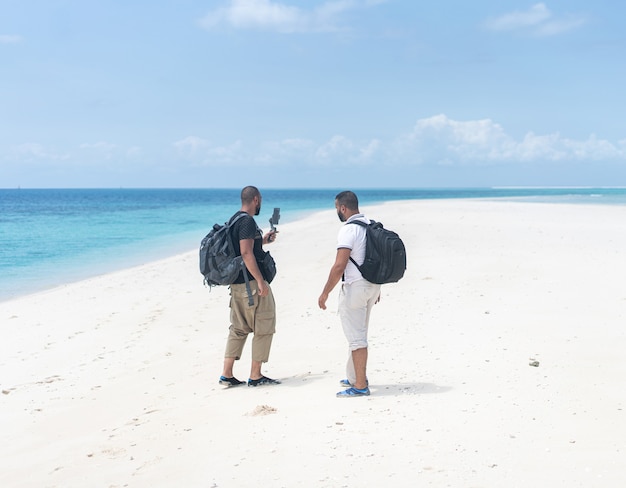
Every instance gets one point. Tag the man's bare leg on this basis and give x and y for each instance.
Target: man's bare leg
(359, 358)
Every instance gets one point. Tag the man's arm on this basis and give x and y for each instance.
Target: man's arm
(336, 272)
(246, 246)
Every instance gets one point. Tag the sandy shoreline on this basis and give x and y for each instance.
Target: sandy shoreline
(112, 381)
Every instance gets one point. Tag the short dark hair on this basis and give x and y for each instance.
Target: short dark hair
(348, 199)
(248, 194)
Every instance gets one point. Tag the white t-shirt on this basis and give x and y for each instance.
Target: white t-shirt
(352, 237)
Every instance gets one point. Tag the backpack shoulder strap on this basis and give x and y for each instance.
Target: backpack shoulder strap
(236, 217)
(244, 271)
(362, 224)
(231, 222)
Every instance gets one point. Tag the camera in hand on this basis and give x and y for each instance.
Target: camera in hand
(274, 221)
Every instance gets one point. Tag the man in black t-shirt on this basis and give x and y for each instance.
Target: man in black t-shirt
(246, 228)
(259, 318)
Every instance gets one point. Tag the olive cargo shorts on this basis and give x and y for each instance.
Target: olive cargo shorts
(260, 319)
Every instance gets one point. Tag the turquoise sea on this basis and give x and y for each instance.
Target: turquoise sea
(49, 237)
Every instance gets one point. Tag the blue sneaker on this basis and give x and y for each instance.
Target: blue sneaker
(346, 383)
(263, 380)
(353, 392)
(232, 381)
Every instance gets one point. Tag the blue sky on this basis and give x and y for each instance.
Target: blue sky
(338, 93)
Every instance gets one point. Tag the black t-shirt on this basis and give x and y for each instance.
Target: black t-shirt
(246, 228)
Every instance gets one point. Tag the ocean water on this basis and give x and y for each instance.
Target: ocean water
(49, 237)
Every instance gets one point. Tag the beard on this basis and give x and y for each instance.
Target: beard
(258, 210)
(342, 218)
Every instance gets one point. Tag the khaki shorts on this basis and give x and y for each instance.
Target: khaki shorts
(356, 300)
(258, 319)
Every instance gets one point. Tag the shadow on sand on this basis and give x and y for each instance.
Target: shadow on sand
(407, 389)
(396, 389)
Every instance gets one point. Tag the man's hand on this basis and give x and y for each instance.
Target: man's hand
(336, 271)
(263, 289)
(321, 301)
(270, 237)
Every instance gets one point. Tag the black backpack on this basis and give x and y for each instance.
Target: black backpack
(219, 263)
(385, 255)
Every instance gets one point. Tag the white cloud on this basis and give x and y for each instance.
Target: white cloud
(437, 140)
(368, 151)
(556, 27)
(99, 146)
(134, 152)
(538, 20)
(293, 149)
(280, 17)
(339, 150)
(336, 147)
(342, 151)
(537, 14)
(226, 154)
(98, 150)
(191, 144)
(9, 39)
(260, 14)
(32, 151)
(441, 140)
(201, 152)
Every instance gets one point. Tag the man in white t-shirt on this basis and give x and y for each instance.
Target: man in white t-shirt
(357, 295)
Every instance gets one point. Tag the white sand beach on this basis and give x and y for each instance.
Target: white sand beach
(497, 361)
